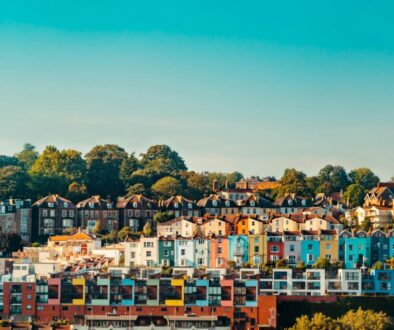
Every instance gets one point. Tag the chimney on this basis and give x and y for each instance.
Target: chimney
(215, 185)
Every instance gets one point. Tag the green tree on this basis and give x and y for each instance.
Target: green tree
(27, 157)
(301, 266)
(161, 217)
(378, 265)
(293, 181)
(77, 191)
(103, 164)
(312, 184)
(13, 182)
(8, 161)
(197, 185)
(124, 233)
(281, 263)
(364, 177)
(322, 263)
(332, 179)
(366, 224)
(128, 166)
(354, 195)
(167, 187)
(136, 189)
(163, 160)
(147, 230)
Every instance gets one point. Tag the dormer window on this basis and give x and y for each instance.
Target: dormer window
(227, 203)
(135, 205)
(91, 205)
(65, 205)
(215, 203)
(50, 204)
(290, 202)
(109, 206)
(190, 205)
(176, 205)
(303, 202)
(252, 203)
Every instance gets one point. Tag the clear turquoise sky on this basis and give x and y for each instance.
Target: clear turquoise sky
(252, 86)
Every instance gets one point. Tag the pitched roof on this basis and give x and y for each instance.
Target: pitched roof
(141, 200)
(55, 199)
(96, 201)
(79, 236)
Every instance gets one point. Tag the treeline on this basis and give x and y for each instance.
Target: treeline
(106, 170)
(353, 185)
(110, 171)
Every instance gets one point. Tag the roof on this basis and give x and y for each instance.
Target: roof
(141, 200)
(57, 200)
(214, 198)
(79, 236)
(182, 201)
(97, 202)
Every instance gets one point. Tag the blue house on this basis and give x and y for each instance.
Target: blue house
(379, 282)
(380, 244)
(357, 250)
(238, 249)
(310, 247)
(391, 243)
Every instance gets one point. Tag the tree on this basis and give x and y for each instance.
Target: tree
(163, 160)
(167, 187)
(322, 263)
(124, 233)
(301, 266)
(27, 156)
(378, 265)
(354, 195)
(197, 185)
(128, 166)
(136, 189)
(293, 181)
(161, 217)
(147, 230)
(312, 184)
(332, 179)
(77, 191)
(352, 320)
(281, 263)
(13, 182)
(8, 161)
(317, 322)
(103, 165)
(365, 320)
(364, 177)
(366, 225)
(10, 242)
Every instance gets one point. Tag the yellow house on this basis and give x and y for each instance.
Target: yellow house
(215, 226)
(257, 249)
(290, 223)
(178, 286)
(329, 247)
(79, 282)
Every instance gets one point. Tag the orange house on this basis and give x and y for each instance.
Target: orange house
(219, 252)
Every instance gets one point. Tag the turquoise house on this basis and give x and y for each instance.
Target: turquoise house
(238, 249)
(310, 247)
(357, 250)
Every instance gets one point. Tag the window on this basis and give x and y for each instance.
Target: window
(28, 307)
(71, 213)
(219, 250)
(91, 205)
(310, 247)
(148, 253)
(328, 246)
(50, 204)
(44, 213)
(52, 213)
(135, 205)
(274, 248)
(292, 248)
(148, 244)
(183, 252)
(350, 247)
(67, 223)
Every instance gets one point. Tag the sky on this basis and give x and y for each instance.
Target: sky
(252, 86)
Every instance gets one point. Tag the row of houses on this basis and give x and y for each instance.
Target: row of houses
(355, 249)
(54, 214)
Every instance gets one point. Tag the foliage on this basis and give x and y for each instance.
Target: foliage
(322, 263)
(136, 189)
(281, 263)
(103, 170)
(124, 233)
(366, 224)
(36, 244)
(161, 217)
(27, 157)
(167, 187)
(378, 265)
(10, 242)
(301, 265)
(8, 161)
(293, 181)
(147, 230)
(13, 182)
(332, 179)
(197, 185)
(352, 320)
(364, 177)
(128, 166)
(354, 195)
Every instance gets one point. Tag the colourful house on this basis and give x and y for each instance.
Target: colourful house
(275, 246)
(257, 249)
(166, 251)
(310, 247)
(357, 250)
(380, 243)
(219, 252)
(329, 247)
(238, 249)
